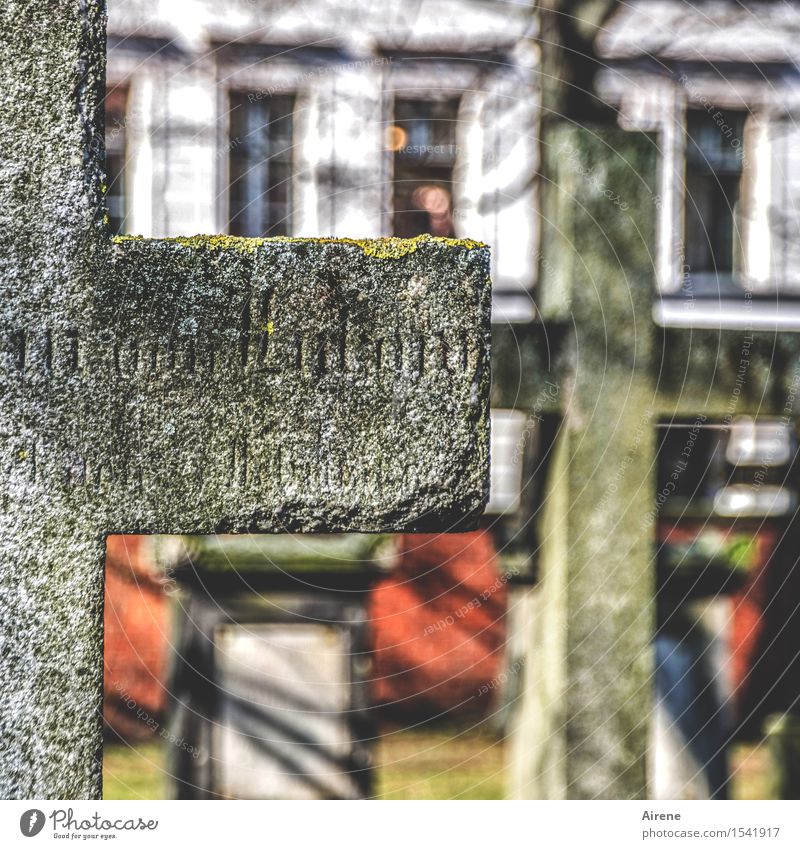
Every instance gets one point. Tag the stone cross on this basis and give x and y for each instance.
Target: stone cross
(191, 386)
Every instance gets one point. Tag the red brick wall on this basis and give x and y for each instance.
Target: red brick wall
(136, 639)
(437, 627)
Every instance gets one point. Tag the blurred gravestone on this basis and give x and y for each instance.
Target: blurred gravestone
(192, 386)
(270, 679)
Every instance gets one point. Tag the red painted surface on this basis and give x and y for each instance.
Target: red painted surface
(136, 639)
(764, 630)
(438, 626)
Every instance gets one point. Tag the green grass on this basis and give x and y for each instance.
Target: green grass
(437, 764)
(135, 771)
(751, 768)
(427, 763)
(423, 764)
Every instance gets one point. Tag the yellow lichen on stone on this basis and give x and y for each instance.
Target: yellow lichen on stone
(209, 243)
(393, 247)
(384, 248)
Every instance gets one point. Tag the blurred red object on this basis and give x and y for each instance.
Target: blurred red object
(136, 640)
(438, 627)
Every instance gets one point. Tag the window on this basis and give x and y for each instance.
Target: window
(423, 140)
(260, 164)
(712, 208)
(116, 142)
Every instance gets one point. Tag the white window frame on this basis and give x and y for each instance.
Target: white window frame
(652, 103)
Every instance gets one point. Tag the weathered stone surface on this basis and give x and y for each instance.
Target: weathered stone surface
(216, 385)
(191, 386)
(582, 719)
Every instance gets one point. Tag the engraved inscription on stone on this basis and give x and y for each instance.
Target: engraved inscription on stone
(286, 385)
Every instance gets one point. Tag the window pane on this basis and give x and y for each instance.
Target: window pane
(423, 139)
(116, 124)
(714, 158)
(260, 160)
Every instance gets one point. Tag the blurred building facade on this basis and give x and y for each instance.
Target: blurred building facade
(669, 162)
(338, 118)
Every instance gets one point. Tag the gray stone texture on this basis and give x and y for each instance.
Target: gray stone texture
(192, 386)
(581, 725)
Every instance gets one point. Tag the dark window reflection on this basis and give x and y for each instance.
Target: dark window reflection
(116, 142)
(423, 139)
(714, 161)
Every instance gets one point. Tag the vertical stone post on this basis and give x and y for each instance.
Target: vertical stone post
(582, 724)
(51, 556)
